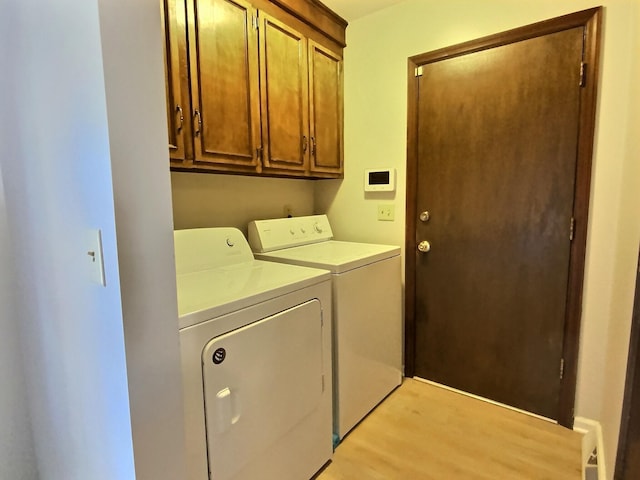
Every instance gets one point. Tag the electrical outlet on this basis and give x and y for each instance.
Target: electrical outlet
(386, 212)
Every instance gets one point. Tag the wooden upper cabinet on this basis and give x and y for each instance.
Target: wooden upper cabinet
(172, 20)
(326, 111)
(284, 89)
(224, 84)
(254, 88)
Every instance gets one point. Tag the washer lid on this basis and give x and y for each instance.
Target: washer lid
(207, 294)
(333, 255)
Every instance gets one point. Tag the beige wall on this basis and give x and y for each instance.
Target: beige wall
(624, 254)
(208, 200)
(375, 136)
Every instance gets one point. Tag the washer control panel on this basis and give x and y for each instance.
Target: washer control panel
(278, 233)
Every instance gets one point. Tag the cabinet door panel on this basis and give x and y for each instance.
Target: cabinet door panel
(284, 88)
(224, 83)
(325, 81)
(175, 53)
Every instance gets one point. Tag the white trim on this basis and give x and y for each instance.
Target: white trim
(591, 440)
(492, 402)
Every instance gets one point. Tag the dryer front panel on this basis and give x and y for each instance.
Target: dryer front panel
(262, 383)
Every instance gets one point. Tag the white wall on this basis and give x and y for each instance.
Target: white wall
(58, 184)
(209, 200)
(93, 403)
(17, 459)
(132, 42)
(375, 131)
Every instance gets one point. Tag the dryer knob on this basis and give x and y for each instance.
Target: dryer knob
(317, 228)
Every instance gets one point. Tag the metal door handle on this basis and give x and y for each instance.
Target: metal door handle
(304, 144)
(179, 110)
(424, 246)
(197, 114)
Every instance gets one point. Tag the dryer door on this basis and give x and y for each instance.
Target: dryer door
(260, 384)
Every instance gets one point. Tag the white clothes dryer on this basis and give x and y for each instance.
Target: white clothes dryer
(367, 307)
(255, 341)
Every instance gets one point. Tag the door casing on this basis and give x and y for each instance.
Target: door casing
(591, 21)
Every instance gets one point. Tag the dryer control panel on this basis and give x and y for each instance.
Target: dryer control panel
(278, 233)
(198, 249)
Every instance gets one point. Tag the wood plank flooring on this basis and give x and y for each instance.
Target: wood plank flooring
(423, 432)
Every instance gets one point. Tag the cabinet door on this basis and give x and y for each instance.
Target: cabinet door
(176, 88)
(325, 85)
(224, 84)
(284, 89)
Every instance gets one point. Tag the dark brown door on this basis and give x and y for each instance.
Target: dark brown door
(224, 83)
(285, 96)
(497, 149)
(325, 102)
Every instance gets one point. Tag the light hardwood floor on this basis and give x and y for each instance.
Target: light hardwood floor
(425, 432)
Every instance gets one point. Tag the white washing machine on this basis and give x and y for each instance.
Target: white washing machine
(255, 341)
(367, 307)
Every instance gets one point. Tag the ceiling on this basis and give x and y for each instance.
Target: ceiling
(353, 9)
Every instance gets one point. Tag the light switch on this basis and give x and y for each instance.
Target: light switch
(94, 257)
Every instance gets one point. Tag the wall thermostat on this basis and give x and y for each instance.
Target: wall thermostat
(380, 180)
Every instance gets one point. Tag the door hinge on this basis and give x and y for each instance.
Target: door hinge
(561, 368)
(583, 74)
(419, 71)
(572, 228)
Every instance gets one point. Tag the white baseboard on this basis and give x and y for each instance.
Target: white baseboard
(591, 440)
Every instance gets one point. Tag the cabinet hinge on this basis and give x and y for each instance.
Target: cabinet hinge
(419, 71)
(561, 368)
(583, 74)
(255, 22)
(572, 228)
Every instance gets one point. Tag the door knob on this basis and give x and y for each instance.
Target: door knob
(424, 246)
(424, 216)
